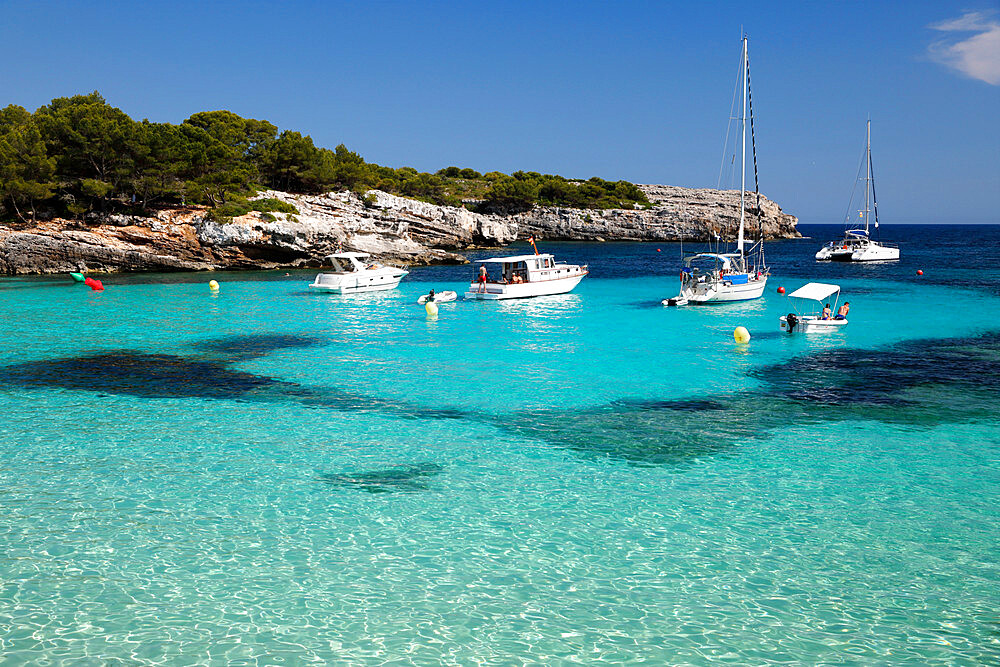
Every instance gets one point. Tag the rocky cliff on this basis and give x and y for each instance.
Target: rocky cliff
(390, 227)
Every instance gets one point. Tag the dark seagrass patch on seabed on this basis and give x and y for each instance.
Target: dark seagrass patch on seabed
(137, 374)
(918, 383)
(253, 346)
(404, 478)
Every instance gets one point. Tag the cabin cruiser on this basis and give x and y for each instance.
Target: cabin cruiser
(523, 276)
(808, 306)
(352, 273)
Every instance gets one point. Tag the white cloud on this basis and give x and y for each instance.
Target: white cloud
(977, 55)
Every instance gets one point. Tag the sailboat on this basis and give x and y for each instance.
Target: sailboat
(716, 277)
(857, 245)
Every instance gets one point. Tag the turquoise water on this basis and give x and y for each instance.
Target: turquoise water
(267, 476)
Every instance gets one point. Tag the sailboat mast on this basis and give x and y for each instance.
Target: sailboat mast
(868, 171)
(743, 159)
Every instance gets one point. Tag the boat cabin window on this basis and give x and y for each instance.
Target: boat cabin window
(516, 272)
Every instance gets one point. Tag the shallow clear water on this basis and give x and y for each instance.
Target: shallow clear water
(270, 476)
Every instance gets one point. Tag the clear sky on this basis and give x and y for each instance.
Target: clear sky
(639, 91)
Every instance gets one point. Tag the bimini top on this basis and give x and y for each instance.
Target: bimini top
(815, 291)
(512, 260)
(857, 232)
(348, 255)
(727, 260)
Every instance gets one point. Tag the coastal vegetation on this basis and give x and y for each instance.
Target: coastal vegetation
(78, 156)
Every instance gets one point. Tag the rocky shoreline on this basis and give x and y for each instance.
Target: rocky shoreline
(391, 228)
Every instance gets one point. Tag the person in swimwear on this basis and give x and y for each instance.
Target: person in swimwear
(827, 313)
(843, 310)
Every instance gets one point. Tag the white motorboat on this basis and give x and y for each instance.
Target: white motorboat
(808, 306)
(352, 274)
(523, 276)
(857, 244)
(439, 297)
(714, 277)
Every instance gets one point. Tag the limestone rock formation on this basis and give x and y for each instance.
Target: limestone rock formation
(392, 228)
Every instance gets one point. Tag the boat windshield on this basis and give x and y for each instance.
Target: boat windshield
(343, 265)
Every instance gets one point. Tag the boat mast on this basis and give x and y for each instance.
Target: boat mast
(743, 159)
(868, 172)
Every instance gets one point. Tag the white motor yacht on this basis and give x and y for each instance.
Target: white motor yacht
(523, 276)
(857, 244)
(352, 273)
(808, 306)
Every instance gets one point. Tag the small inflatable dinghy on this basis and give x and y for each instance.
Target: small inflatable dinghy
(439, 297)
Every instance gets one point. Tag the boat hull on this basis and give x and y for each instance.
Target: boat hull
(359, 284)
(708, 293)
(502, 292)
(871, 253)
(810, 324)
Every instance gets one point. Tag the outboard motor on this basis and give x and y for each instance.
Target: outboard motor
(792, 320)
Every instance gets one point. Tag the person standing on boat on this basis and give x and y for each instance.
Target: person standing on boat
(430, 297)
(483, 276)
(843, 310)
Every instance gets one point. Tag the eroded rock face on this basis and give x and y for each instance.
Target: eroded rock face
(392, 228)
(677, 214)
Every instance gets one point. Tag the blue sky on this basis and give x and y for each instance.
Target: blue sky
(639, 91)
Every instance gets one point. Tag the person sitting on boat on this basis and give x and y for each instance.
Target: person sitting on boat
(843, 310)
(483, 277)
(827, 313)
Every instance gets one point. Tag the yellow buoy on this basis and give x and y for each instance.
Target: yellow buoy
(741, 335)
(212, 285)
(431, 308)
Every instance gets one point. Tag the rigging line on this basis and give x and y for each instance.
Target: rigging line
(848, 218)
(871, 178)
(753, 145)
(729, 127)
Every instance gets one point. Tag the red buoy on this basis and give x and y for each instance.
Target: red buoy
(95, 285)
(657, 250)
(781, 290)
(920, 272)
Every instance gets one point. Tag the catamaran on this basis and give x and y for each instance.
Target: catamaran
(715, 277)
(524, 276)
(857, 245)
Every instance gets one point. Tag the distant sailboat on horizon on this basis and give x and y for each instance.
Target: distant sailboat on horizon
(857, 245)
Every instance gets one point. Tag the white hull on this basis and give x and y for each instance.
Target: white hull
(440, 297)
(810, 324)
(873, 252)
(374, 281)
(722, 292)
(500, 291)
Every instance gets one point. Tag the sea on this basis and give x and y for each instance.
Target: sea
(267, 476)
